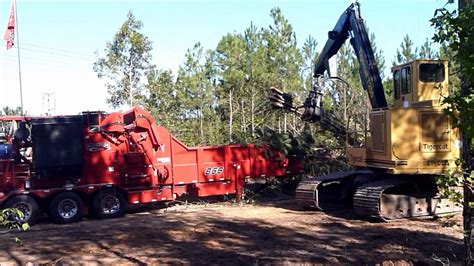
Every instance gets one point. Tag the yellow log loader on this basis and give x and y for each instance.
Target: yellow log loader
(404, 148)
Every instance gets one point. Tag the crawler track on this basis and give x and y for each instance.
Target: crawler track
(381, 197)
(318, 192)
(383, 200)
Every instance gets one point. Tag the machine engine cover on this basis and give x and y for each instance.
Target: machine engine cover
(57, 143)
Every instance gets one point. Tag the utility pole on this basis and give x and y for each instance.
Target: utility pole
(49, 103)
(131, 80)
(22, 111)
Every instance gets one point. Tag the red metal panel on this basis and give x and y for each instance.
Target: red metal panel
(185, 173)
(180, 190)
(213, 164)
(163, 159)
(101, 163)
(239, 153)
(5, 177)
(213, 171)
(245, 168)
(185, 167)
(152, 195)
(182, 154)
(144, 196)
(213, 154)
(214, 188)
(165, 194)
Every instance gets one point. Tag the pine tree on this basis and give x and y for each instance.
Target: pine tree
(283, 60)
(230, 54)
(426, 51)
(194, 91)
(163, 101)
(379, 57)
(310, 55)
(6, 110)
(255, 85)
(447, 53)
(126, 62)
(406, 52)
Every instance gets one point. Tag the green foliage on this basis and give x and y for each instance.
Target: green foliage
(8, 219)
(456, 33)
(309, 55)
(407, 52)
(379, 57)
(319, 151)
(388, 89)
(6, 110)
(195, 92)
(163, 101)
(283, 64)
(454, 30)
(283, 58)
(230, 56)
(347, 101)
(447, 53)
(450, 182)
(427, 51)
(458, 103)
(125, 64)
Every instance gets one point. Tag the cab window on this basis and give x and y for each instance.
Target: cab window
(405, 80)
(431, 72)
(396, 84)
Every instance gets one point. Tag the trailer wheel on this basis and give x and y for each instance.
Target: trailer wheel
(66, 207)
(27, 205)
(108, 204)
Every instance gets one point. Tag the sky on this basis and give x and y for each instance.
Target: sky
(58, 39)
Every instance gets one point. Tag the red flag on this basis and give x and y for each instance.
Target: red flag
(10, 31)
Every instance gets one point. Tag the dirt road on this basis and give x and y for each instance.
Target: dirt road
(224, 233)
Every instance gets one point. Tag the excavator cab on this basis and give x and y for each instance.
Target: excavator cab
(420, 83)
(413, 136)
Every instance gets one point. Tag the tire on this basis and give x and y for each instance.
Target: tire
(28, 206)
(66, 207)
(108, 204)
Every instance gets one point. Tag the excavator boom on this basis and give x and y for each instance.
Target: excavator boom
(351, 24)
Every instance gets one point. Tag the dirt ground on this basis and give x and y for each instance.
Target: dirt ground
(275, 232)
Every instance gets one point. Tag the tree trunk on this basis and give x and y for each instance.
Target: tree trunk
(279, 124)
(231, 115)
(130, 77)
(468, 211)
(201, 122)
(252, 112)
(344, 119)
(242, 111)
(294, 125)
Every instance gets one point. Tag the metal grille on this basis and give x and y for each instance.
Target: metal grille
(377, 131)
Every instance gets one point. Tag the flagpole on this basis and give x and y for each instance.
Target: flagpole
(18, 49)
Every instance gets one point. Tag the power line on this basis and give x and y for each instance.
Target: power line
(44, 63)
(34, 57)
(56, 49)
(56, 54)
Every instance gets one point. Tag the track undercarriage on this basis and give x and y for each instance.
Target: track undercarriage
(378, 195)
